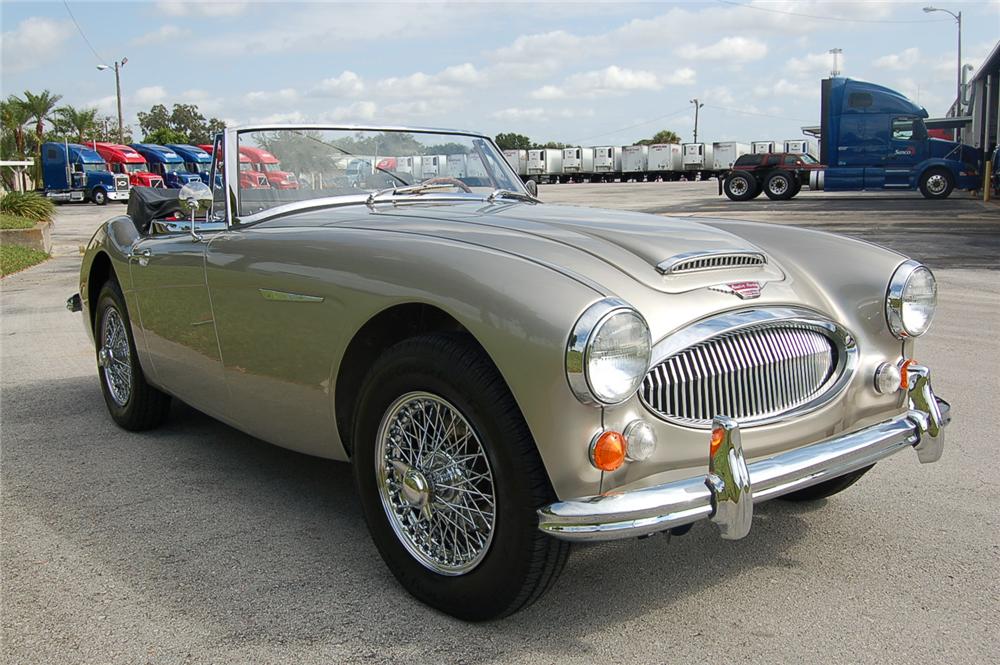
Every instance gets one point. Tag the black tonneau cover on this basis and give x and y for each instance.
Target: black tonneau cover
(148, 203)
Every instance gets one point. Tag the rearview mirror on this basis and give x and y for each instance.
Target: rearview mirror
(532, 187)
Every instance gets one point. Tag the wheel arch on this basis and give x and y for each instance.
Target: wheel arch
(100, 271)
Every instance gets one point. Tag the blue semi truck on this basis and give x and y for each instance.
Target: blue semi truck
(166, 163)
(73, 172)
(870, 137)
(195, 159)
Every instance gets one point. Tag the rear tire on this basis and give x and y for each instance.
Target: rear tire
(828, 488)
(133, 404)
(740, 186)
(936, 183)
(510, 562)
(779, 185)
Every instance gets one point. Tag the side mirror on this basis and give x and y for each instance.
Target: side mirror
(532, 187)
(195, 197)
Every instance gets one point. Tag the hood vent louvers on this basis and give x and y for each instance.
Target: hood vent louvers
(710, 260)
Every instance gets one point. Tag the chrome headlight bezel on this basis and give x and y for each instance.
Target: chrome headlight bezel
(895, 314)
(578, 356)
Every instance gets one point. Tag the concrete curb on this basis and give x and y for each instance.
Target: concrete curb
(39, 237)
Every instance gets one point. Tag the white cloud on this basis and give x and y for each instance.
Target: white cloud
(363, 110)
(152, 94)
(736, 49)
(285, 95)
(35, 42)
(449, 82)
(165, 33)
(346, 84)
(209, 8)
(813, 64)
(906, 59)
(515, 114)
(613, 80)
(785, 88)
(106, 105)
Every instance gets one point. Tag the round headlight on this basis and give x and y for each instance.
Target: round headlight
(608, 353)
(910, 301)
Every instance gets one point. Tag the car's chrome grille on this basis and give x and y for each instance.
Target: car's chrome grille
(751, 374)
(697, 262)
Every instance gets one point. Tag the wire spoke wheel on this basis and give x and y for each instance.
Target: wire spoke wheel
(114, 357)
(435, 483)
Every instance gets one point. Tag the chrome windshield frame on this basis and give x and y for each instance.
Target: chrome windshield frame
(231, 167)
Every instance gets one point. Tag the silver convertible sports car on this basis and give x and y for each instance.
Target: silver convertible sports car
(506, 377)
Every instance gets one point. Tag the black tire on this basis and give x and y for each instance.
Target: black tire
(828, 488)
(740, 186)
(796, 188)
(99, 196)
(936, 183)
(145, 407)
(779, 185)
(520, 562)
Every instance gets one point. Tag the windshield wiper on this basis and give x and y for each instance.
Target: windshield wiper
(409, 189)
(510, 194)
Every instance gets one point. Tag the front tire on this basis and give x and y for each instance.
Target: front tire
(133, 404)
(449, 479)
(936, 184)
(99, 196)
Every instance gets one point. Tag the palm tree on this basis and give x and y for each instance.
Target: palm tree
(77, 121)
(40, 108)
(14, 117)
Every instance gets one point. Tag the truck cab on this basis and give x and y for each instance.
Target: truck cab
(249, 179)
(125, 160)
(873, 137)
(264, 162)
(73, 172)
(167, 164)
(195, 159)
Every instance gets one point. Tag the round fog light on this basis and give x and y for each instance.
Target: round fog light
(641, 440)
(887, 379)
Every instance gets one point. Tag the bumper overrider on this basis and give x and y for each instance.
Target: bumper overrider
(726, 494)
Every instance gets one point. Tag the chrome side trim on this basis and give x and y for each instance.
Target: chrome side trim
(726, 494)
(718, 259)
(285, 296)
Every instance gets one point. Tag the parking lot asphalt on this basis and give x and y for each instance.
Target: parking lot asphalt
(197, 543)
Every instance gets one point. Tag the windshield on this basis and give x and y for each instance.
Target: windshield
(176, 167)
(135, 168)
(808, 159)
(94, 168)
(349, 163)
(199, 167)
(271, 168)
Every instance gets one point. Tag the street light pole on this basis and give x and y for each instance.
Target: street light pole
(958, 83)
(697, 105)
(118, 94)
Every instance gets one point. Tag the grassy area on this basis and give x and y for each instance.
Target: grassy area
(14, 258)
(14, 222)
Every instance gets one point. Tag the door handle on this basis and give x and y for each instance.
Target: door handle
(141, 255)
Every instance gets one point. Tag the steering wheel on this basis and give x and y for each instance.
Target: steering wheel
(449, 181)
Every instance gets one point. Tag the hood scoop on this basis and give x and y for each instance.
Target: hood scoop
(702, 261)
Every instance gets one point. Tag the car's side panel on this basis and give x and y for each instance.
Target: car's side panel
(282, 347)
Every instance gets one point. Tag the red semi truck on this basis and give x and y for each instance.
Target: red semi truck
(124, 159)
(264, 162)
(249, 177)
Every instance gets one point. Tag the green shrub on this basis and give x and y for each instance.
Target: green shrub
(29, 205)
(14, 222)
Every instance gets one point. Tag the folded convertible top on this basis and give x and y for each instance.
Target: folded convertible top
(148, 203)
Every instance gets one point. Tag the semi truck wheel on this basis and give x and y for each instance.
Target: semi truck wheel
(936, 183)
(778, 186)
(99, 196)
(740, 186)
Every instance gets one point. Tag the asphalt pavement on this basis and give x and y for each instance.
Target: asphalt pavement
(197, 543)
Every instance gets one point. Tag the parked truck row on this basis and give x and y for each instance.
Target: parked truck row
(660, 161)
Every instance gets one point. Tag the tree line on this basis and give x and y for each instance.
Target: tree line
(31, 119)
(512, 141)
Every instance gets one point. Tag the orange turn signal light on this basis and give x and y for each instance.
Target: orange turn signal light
(904, 375)
(717, 435)
(607, 452)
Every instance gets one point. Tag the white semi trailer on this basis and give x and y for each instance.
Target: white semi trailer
(697, 159)
(725, 154)
(432, 166)
(456, 166)
(545, 164)
(761, 147)
(577, 163)
(409, 165)
(635, 160)
(608, 162)
(664, 161)
(800, 146)
(518, 160)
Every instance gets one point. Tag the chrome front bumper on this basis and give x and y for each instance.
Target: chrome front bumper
(726, 494)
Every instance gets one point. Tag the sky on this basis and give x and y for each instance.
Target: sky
(581, 73)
